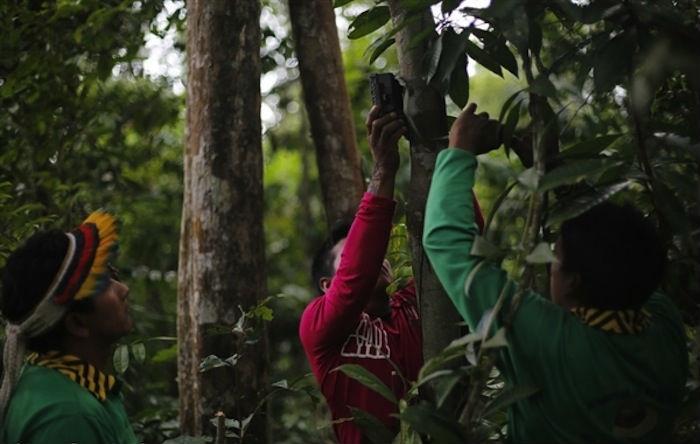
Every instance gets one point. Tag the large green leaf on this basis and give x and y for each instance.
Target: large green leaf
(368, 379)
(542, 254)
(507, 103)
(511, 122)
(482, 247)
(372, 427)
(380, 45)
(369, 21)
(590, 147)
(120, 359)
(338, 3)
(417, 4)
(138, 351)
(496, 47)
(574, 172)
(483, 58)
(426, 420)
(572, 207)
(452, 50)
(507, 397)
(459, 83)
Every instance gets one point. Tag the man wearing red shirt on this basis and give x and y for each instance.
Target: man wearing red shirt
(354, 321)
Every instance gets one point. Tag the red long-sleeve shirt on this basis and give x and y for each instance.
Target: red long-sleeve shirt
(335, 330)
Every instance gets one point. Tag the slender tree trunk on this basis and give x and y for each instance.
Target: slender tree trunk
(425, 107)
(328, 106)
(222, 263)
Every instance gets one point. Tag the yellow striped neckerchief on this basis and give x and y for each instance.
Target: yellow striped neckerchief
(631, 321)
(86, 375)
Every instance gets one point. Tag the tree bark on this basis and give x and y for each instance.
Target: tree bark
(425, 107)
(222, 262)
(328, 106)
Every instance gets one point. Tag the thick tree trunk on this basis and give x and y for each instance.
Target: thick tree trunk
(222, 263)
(426, 108)
(328, 106)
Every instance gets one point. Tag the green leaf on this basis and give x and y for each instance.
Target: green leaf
(612, 61)
(372, 427)
(673, 209)
(445, 386)
(507, 397)
(120, 359)
(466, 339)
(484, 248)
(529, 178)
(452, 50)
(426, 420)
(138, 351)
(542, 254)
(213, 361)
(511, 122)
(433, 56)
(507, 103)
(497, 48)
(572, 207)
(483, 58)
(518, 31)
(339, 3)
(575, 172)
(281, 384)
(448, 6)
(497, 340)
(438, 361)
(166, 354)
(418, 4)
(459, 83)
(368, 379)
(590, 147)
(378, 47)
(369, 21)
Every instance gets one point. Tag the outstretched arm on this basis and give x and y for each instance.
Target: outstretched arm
(450, 221)
(330, 318)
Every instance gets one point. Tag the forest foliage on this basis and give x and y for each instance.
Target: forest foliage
(611, 91)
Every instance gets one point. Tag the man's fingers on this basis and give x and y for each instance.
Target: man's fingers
(470, 108)
(483, 115)
(389, 131)
(373, 112)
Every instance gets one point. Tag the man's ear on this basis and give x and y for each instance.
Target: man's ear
(324, 283)
(76, 326)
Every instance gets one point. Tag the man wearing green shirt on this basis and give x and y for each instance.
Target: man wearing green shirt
(607, 352)
(63, 302)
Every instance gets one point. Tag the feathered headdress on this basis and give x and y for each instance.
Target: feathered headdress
(83, 273)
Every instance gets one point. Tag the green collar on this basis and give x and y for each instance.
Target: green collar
(631, 322)
(86, 375)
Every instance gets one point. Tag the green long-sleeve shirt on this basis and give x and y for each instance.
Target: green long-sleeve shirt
(595, 385)
(49, 407)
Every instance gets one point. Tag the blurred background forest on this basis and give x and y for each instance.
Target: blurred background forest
(93, 114)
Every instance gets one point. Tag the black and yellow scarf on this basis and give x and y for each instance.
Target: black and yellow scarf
(631, 322)
(86, 375)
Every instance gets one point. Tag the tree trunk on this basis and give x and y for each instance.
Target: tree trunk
(222, 259)
(328, 106)
(425, 107)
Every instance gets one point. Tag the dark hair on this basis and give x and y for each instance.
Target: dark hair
(618, 254)
(323, 260)
(29, 271)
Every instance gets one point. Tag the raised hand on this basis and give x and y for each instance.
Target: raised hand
(475, 133)
(383, 135)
